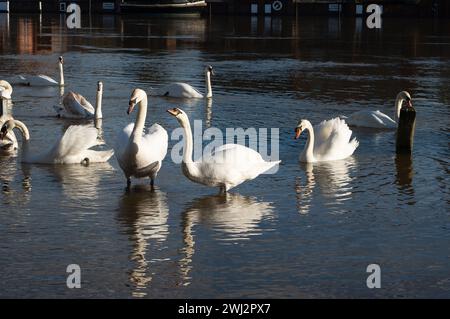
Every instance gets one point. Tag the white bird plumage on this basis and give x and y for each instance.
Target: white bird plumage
(327, 141)
(141, 154)
(5, 89)
(377, 119)
(76, 106)
(74, 147)
(43, 80)
(226, 167)
(184, 90)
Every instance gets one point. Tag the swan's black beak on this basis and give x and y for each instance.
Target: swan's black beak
(130, 107)
(298, 131)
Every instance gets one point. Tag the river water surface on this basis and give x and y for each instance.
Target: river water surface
(307, 231)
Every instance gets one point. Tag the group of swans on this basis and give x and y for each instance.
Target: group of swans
(140, 154)
(331, 140)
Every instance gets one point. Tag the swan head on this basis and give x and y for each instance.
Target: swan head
(99, 86)
(405, 96)
(61, 60)
(6, 128)
(137, 96)
(179, 114)
(301, 126)
(209, 69)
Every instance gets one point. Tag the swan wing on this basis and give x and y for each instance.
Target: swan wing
(75, 104)
(371, 119)
(154, 145)
(333, 140)
(77, 139)
(180, 90)
(39, 80)
(232, 164)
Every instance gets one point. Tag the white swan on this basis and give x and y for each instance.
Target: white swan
(140, 155)
(76, 106)
(72, 148)
(184, 90)
(44, 80)
(332, 141)
(227, 167)
(377, 119)
(5, 89)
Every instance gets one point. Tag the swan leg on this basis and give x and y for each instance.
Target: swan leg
(128, 183)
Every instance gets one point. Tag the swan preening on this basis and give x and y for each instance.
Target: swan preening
(227, 167)
(140, 154)
(184, 90)
(44, 80)
(5, 89)
(377, 119)
(76, 106)
(327, 141)
(74, 147)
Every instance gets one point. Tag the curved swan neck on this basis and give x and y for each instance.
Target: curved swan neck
(140, 120)
(23, 129)
(398, 107)
(98, 105)
(208, 84)
(26, 138)
(61, 74)
(309, 147)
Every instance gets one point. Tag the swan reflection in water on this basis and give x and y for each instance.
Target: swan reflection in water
(80, 183)
(8, 176)
(334, 180)
(404, 177)
(233, 217)
(145, 212)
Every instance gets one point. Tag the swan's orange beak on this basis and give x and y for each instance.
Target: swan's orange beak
(298, 131)
(173, 111)
(130, 107)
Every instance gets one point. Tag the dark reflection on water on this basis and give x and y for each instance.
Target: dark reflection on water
(307, 231)
(145, 212)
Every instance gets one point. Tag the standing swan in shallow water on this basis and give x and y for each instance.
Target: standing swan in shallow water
(76, 106)
(331, 143)
(72, 148)
(226, 167)
(5, 89)
(140, 155)
(44, 80)
(184, 90)
(377, 119)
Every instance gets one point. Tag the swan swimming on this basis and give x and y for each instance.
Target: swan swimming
(76, 106)
(184, 90)
(141, 154)
(327, 141)
(72, 148)
(227, 167)
(377, 119)
(44, 80)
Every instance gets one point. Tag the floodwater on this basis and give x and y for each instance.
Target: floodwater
(307, 231)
